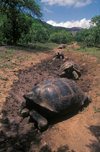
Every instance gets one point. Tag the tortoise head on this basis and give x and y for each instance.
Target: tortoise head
(69, 68)
(29, 96)
(88, 99)
(29, 100)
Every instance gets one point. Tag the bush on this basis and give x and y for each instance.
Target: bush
(61, 37)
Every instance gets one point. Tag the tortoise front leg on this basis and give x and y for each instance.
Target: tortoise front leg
(75, 75)
(23, 111)
(40, 120)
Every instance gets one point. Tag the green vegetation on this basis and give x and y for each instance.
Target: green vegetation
(6, 55)
(90, 50)
(43, 47)
(15, 18)
(13, 52)
(6, 66)
(5, 79)
(61, 37)
(94, 51)
(20, 24)
(91, 36)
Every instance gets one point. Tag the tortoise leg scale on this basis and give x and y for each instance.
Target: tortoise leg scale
(42, 122)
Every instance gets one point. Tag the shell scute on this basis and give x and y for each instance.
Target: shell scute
(49, 92)
(36, 90)
(63, 88)
(73, 86)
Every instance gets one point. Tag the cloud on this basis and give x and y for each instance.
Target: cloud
(83, 23)
(59, 2)
(80, 3)
(76, 3)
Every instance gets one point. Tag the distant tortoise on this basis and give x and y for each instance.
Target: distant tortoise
(52, 98)
(58, 55)
(62, 46)
(70, 69)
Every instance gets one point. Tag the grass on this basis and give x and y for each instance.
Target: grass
(34, 47)
(21, 53)
(5, 58)
(11, 56)
(8, 54)
(50, 46)
(6, 66)
(5, 79)
(1, 57)
(68, 49)
(90, 51)
(43, 46)
(21, 59)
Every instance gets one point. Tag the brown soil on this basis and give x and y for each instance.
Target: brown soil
(79, 133)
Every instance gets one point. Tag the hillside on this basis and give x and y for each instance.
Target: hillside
(73, 30)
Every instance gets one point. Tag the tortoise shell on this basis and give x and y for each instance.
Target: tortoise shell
(68, 67)
(69, 64)
(51, 98)
(59, 55)
(62, 46)
(55, 95)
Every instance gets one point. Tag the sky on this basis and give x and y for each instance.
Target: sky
(70, 13)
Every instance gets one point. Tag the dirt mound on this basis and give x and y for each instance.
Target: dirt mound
(22, 136)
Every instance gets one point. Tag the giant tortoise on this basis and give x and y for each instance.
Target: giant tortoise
(62, 46)
(52, 98)
(58, 55)
(70, 69)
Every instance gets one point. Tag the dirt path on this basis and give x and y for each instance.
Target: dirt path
(80, 133)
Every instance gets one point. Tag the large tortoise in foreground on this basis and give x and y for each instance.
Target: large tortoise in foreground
(52, 98)
(70, 69)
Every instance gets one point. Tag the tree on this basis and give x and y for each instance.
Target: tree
(39, 33)
(90, 37)
(29, 6)
(36, 33)
(96, 20)
(2, 19)
(15, 11)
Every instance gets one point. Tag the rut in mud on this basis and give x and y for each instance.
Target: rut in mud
(20, 136)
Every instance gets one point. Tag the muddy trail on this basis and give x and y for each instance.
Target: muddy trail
(79, 132)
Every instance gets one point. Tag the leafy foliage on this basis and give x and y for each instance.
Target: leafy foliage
(20, 24)
(91, 36)
(61, 37)
(38, 33)
(16, 21)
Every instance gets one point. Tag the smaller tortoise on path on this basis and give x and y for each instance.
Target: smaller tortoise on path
(52, 98)
(62, 46)
(70, 69)
(58, 55)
